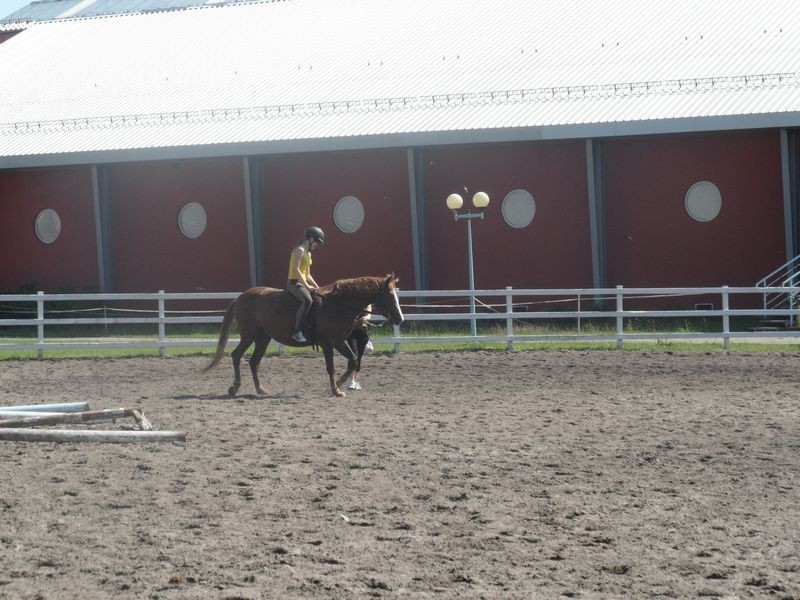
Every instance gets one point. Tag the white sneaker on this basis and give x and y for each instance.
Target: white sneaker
(358, 385)
(352, 385)
(299, 337)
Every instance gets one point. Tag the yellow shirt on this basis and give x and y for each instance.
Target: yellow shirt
(305, 265)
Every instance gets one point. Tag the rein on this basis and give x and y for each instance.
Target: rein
(374, 288)
(345, 302)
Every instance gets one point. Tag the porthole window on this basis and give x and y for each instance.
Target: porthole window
(348, 214)
(192, 220)
(518, 209)
(47, 226)
(703, 201)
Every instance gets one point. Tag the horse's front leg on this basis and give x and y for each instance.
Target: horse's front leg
(327, 350)
(346, 351)
(262, 341)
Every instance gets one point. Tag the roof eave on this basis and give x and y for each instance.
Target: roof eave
(414, 139)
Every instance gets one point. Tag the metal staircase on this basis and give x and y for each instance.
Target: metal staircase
(787, 275)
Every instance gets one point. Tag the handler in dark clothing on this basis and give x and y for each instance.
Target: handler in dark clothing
(359, 341)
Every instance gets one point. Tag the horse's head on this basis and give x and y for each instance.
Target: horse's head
(387, 301)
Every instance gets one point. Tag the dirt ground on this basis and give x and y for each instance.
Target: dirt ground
(597, 474)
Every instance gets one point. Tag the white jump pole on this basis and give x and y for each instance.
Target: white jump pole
(61, 407)
(71, 436)
(15, 414)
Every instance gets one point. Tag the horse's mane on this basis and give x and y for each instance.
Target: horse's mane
(352, 287)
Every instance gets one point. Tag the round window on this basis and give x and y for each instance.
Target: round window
(47, 226)
(348, 214)
(192, 220)
(703, 201)
(518, 208)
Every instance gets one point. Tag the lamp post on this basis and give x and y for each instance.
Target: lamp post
(454, 202)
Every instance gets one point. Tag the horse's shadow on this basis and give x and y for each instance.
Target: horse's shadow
(240, 397)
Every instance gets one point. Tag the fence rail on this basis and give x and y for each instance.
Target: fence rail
(511, 307)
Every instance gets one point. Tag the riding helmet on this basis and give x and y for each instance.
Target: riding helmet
(315, 233)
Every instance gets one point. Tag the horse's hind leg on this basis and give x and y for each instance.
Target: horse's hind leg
(327, 350)
(346, 351)
(262, 341)
(236, 356)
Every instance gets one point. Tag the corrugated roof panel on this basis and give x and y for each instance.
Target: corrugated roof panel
(44, 10)
(47, 10)
(304, 69)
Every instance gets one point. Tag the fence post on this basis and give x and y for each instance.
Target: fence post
(509, 319)
(620, 324)
(793, 317)
(396, 329)
(726, 319)
(162, 338)
(40, 324)
(396, 334)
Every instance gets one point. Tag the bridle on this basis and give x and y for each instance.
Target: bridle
(382, 311)
(384, 299)
(380, 304)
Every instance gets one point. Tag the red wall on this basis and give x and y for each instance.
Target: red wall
(554, 251)
(302, 190)
(652, 241)
(6, 35)
(71, 260)
(149, 252)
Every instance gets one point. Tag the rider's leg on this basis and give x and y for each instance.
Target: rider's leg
(304, 296)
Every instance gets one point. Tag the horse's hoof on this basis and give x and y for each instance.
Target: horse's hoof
(232, 390)
(261, 391)
(339, 394)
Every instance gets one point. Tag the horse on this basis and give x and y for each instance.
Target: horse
(263, 314)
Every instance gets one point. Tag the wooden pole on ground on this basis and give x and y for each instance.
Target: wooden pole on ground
(89, 416)
(70, 436)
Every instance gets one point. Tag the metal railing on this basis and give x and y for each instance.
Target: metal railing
(785, 276)
(511, 309)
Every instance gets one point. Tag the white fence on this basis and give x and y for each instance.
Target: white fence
(509, 307)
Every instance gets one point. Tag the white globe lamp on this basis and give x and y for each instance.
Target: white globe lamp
(480, 200)
(454, 202)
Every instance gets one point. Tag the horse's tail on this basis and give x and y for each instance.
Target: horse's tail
(224, 332)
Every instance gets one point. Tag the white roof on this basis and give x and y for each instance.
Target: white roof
(274, 76)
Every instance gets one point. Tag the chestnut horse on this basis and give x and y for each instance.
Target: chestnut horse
(263, 314)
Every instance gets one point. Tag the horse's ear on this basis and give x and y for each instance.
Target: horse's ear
(392, 279)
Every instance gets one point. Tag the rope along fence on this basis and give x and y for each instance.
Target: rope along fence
(515, 309)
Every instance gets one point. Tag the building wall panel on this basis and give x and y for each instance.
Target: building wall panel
(652, 241)
(7, 35)
(302, 190)
(70, 262)
(553, 251)
(149, 252)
